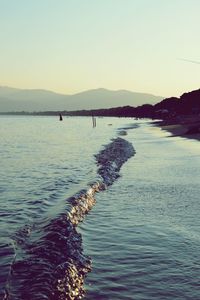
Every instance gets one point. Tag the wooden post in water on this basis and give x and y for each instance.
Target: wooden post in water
(94, 124)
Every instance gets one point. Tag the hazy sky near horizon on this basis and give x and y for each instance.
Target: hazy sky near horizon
(73, 45)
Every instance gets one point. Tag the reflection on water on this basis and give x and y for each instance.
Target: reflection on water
(43, 162)
(143, 234)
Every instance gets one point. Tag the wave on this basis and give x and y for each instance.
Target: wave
(49, 262)
(112, 158)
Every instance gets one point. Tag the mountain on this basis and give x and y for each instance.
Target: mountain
(168, 109)
(12, 99)
(103, 98)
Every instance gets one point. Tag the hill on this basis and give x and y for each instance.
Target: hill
(16, 100)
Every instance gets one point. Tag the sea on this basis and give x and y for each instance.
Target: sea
(106, 212)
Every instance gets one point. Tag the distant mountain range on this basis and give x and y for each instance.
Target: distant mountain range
(170, 109)
(35, 100)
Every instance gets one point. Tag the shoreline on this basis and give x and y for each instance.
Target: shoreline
(186, 127)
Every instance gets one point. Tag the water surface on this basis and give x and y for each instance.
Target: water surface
(143, 233)
(43, 162)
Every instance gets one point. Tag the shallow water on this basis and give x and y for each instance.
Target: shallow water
(43, 162)
(143, 234)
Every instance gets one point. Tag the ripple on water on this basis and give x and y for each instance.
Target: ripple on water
(143, 234)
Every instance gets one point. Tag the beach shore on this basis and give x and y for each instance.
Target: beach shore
(183, 126)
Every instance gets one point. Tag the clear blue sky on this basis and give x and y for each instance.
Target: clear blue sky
(74, 45)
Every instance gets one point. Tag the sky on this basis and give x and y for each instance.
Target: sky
(69, 46)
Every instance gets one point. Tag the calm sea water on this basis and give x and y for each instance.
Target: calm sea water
(144, 232)
(142, 235)
(43, 162)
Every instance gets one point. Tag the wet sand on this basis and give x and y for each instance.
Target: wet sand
(188, 127)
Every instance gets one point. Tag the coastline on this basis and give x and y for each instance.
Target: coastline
(186, 126)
